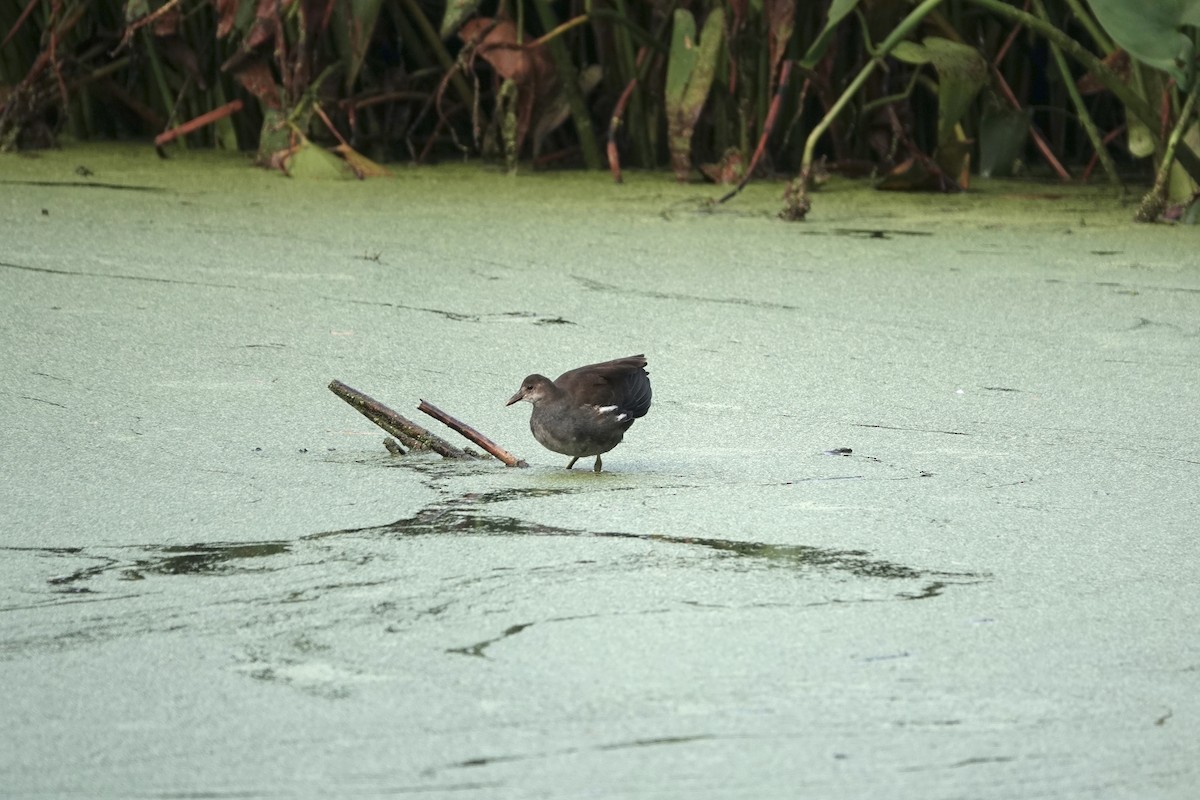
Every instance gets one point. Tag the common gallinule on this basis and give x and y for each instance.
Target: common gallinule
(585, 412)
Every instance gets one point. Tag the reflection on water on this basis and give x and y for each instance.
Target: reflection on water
(463, 516)
(657, 741)
(202, 559)
(456, 577)
(197, 559)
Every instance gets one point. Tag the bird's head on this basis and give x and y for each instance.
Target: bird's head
(533, 389)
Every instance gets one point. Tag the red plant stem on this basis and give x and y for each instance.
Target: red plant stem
(1012, 37)
(1038, 139)
(773, 114)
(1042, 145)
(614, 158)
(58, 76)
(151, 118)
(768, 126)
(328, 124)
(1108, 137)
(432, 140)
(20, 21)
(208, 118)
(132, 27)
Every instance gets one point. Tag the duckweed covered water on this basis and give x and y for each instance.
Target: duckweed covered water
(913, 514)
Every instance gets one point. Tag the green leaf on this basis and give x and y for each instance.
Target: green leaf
(690, 72)
(354, 24)
(1151, 31)
(961, 70)
(683, 57)
(911, 53)
(1002, 134)
(456, 12)
(310, 162)
(837, 11)
(706, 63)
(781, 21)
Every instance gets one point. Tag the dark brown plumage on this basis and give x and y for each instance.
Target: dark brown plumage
(586, 411)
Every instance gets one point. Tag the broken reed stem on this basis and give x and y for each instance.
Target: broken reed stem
(403, 429)
(772, 114)
(475, 436)
(614, 123)
(232, 107)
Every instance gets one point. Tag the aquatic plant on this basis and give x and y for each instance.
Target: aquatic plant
(918, 95)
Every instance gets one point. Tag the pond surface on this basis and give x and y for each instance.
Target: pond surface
(215, 582)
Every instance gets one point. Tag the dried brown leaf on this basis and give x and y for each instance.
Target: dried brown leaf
(257, 79)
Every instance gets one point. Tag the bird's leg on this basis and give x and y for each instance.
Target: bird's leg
(572, 462)
(597, 467)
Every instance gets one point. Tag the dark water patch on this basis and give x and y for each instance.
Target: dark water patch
(855, 562)
(966, 762)
(931, 590)
(205, 559)
(877, 233)
(461, 516)
(905, 428)
(1142, 323)
(210, 794)
(198, 559)
(115, 276)
(438, 578)
(825, 478)
(40, 400)
(705, 207)
(478, 648)
(120, 187)
(84, 573)
(658, 741)
(462, 316)
(599, 286)
(1129, 289)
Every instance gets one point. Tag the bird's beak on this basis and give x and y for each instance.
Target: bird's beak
(516, 398)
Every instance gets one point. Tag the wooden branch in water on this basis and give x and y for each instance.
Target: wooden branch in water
(230, 108)
(475, 436)
(403, 429)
